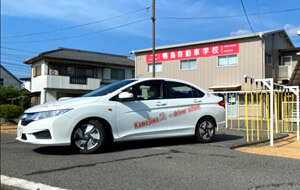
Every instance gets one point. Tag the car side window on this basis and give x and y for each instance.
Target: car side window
(180, 90)
(148, 90)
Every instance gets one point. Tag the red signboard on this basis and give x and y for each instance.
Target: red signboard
(190, 53)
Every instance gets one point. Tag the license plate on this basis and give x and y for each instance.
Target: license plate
(20, 131)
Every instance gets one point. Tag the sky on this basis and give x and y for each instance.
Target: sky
(29, 27)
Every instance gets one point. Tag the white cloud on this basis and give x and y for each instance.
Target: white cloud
(291, 29)
(240, 32)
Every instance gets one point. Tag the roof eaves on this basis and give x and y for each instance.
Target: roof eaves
(259, 34)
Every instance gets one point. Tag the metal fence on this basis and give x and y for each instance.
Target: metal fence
(263, 108)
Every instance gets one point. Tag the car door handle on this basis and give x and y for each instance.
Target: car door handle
(160, 104)
(197, 101)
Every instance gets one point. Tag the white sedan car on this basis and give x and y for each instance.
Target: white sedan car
(126, 110)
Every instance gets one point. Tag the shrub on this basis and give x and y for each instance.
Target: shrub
(11, 95)
(10, 112)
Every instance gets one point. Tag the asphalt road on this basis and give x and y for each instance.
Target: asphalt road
(176, 163)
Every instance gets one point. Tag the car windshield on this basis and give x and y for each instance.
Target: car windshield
(102, 91)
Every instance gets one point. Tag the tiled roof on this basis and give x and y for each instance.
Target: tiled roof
(83, 55)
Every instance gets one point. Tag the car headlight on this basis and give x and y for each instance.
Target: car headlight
(44, 115)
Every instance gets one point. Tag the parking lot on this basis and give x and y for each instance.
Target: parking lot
(176, 163)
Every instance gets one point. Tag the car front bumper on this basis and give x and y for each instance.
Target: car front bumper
(51, 131)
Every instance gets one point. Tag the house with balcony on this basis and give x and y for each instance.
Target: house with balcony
(66, 72)
(289, 66)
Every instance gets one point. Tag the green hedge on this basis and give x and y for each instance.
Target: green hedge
(10, 112)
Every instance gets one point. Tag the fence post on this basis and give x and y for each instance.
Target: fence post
(271, 113)
(246, 109)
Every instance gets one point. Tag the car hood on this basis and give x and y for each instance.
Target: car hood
(62, 104)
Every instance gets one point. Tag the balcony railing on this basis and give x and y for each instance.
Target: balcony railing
(67, 82)
(78, 80)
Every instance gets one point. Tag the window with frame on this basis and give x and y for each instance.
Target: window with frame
(71, 71)
(227, 60)
(286, 60)
(149, 90)
(158, 67)
(117, 74)
(242, 99)
(268, 59)
(37, 71)
(188, 64)
(62, 70)
(180, 90)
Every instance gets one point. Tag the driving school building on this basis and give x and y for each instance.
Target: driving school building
(218, 64)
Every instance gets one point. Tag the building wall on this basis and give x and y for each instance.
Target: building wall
(9, 80)
(208, 73)
(273, 43)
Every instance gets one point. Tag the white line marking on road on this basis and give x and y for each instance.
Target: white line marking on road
(15, 183)
(160, 148)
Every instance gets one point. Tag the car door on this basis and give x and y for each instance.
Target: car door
(145, 115)
(184, 107)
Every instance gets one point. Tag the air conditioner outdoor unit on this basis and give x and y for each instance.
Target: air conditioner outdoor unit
(53, 72)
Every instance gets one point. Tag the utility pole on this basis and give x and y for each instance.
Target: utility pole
(153, 38)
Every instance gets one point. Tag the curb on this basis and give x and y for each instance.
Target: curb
(259, 142)
(11, 183)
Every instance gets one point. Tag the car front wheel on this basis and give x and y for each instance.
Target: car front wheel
(205, 130)
(88, 137)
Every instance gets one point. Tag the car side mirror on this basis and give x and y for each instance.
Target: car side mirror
(125, 96)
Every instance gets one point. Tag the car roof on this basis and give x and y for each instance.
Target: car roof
(170, 79)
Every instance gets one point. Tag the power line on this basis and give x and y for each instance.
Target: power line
(5, 57)
(18, 49)
(228, 16)
(86, 34)
(7, 65)
(16, 64)
(76, 26)
(15, 55)
(258, 11)
(246, 16)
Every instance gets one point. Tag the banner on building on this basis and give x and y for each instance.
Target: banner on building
(195, 52)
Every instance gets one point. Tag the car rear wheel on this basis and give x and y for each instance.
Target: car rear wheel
(88, 137)
(205, 130)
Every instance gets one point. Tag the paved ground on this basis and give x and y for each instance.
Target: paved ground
(161, 164)
(288, 147)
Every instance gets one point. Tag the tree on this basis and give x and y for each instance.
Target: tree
(11, 95)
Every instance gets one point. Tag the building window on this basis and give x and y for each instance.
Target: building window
(188, 64)
(242, 99)
(158, 67)
(227, 60)
(117, 74)
(1, 81)
(76, 71)
(70, 70)
(286, 60)
(62, 71)
(268, 59)
(89, 72)
(37, 71)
